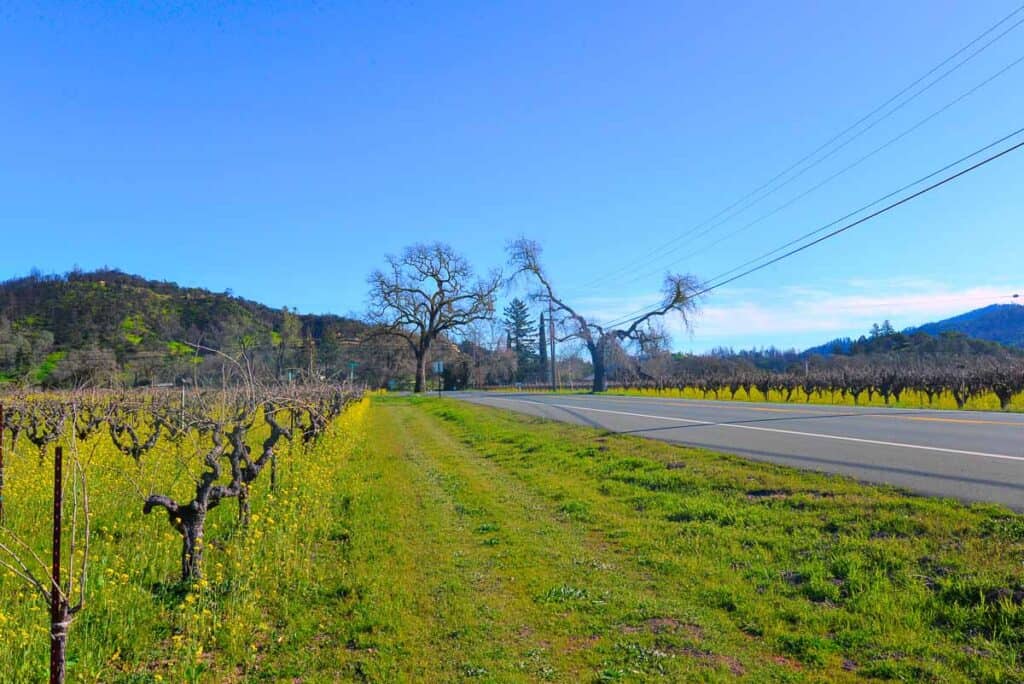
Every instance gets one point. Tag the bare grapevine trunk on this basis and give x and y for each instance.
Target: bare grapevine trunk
(189, 520)
(244, 512)
(59, 619)
(192, 529)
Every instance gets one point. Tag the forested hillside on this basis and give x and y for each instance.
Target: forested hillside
(83, 327)
(1002, 323)
(999, 323)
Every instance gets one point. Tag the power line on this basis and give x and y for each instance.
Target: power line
(848, 215)
(836, 174)
(865, 207)
(632, 316)
(859, 221)
(826, 144)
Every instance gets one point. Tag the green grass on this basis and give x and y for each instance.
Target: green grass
(440, 541)
(519, 549)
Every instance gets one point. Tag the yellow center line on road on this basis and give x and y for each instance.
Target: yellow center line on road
(819, 410)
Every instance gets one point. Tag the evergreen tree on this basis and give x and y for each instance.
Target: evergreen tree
(521, 335)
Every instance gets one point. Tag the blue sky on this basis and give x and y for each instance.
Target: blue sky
(281, 149)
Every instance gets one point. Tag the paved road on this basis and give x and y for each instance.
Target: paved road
(972, 456)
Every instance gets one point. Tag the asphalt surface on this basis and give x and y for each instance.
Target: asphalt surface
(967, 455)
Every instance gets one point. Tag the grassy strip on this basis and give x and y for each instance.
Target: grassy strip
(723, 566)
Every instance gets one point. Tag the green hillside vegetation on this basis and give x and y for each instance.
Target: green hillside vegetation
(105, 324)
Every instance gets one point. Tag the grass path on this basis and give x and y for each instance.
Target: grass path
(481, 578)
(485, 546)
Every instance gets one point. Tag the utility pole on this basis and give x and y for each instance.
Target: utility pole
(311, 346)
(551, 338)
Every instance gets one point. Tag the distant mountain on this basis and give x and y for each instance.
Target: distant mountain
(999, 323)
(1002, 323)
(840, 345)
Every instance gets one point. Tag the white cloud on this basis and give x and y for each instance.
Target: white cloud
(755, 317)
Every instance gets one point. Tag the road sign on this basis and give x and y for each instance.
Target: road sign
(438, 367)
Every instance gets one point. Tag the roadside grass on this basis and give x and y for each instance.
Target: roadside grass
(570, 553)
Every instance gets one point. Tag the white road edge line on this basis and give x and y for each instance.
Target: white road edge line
(858, 440)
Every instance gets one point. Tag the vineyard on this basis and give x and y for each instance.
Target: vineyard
(910, 398)
(186, 515)
(972, 383)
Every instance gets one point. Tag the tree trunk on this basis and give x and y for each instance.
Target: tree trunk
(244, 511)
(597, 358)
(421, 371)
(192, 546)
(1004, 404)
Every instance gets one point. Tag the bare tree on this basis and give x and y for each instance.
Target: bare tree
(427, 292)
(679, 290)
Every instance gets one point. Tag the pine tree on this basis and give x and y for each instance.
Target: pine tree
(520, 330)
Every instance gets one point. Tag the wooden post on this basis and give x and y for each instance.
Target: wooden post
(59, 609)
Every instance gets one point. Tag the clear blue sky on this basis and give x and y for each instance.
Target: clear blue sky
(281, 149)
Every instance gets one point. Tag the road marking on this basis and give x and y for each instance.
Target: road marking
(841, 438)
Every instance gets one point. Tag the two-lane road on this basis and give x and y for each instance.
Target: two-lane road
(972, 456)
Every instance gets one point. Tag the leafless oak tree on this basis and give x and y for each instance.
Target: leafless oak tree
(425, 293)
(524, 256)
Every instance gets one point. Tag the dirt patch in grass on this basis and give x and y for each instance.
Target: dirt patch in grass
(763, 494)
(665, 625)
(715, 659)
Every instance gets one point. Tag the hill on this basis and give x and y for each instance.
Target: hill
(1002, 324)
(114, 322)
